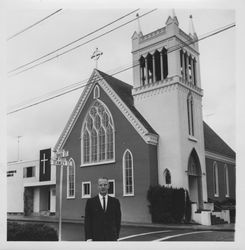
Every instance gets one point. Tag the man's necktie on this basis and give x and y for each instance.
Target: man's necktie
(104, 203)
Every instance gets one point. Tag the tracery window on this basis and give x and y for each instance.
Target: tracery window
(98, 139)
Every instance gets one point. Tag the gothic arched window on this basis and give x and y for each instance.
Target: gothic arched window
(167, 177)
(226, 172)
(128, 174)
(71, 179)
(216, 179)
(190, 114)
(96, 92)
(98, 140)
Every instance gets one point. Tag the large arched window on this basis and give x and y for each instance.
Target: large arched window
(128, 174)
(98, 139)
(71, 179)
(190, 114)
(216, 179)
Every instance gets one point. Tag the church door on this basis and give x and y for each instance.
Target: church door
(195, 179)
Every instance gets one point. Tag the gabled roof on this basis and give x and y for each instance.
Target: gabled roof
(120, 94)
(124, 91)
(213, 143)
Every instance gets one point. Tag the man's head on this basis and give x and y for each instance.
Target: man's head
(103, 185)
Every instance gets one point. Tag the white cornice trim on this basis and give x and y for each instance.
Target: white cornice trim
(143, 132)
(39, 183)
(22, 162)
(214, 156)
(171, 82)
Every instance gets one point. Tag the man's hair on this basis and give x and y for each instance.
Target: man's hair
(103, 178)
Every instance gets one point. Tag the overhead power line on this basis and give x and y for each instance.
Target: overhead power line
(78, 46)
(34, 24)
(81, 84)
(79, 39)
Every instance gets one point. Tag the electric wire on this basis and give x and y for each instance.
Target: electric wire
(29, 27)
(79, 39)
(78, 46)
(84, 82)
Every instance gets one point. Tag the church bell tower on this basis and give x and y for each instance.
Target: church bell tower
(167, 92)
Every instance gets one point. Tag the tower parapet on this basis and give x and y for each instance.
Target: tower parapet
(166, 53)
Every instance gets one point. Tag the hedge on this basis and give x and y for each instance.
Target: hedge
(30, 232)
(169, 205)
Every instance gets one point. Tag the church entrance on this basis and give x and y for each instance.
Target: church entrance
(195, 179)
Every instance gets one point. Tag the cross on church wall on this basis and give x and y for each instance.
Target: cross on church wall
(44, 165)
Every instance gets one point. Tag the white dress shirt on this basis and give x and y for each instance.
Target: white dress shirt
(101, 200)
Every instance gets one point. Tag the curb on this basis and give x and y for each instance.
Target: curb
(162, 226)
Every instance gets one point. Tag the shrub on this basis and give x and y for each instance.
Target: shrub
(187, 208)
(168, 205)
(30, 232)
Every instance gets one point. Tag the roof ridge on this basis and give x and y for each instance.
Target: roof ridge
(118, 80)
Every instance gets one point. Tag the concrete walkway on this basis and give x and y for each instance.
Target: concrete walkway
(53, 219)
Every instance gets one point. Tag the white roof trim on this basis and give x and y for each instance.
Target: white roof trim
(214, 156)
(118, 102)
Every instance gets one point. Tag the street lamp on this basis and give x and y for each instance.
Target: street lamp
(60, 160)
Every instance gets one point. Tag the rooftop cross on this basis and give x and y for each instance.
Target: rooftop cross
(96, 55)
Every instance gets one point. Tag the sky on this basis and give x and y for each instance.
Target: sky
(41, 125)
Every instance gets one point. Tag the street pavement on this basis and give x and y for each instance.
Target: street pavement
(74, 230)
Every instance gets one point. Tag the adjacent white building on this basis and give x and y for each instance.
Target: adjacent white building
(31, 186)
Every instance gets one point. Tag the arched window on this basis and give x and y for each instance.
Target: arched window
(71, 179)
(190, 114)
(216, 179)
(98, 140)
(226, 172)
(128, 174)
(167, 177)
(96, 92)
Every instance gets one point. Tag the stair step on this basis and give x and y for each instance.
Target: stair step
(217, 220)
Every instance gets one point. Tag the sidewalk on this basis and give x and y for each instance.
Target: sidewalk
(53, 219)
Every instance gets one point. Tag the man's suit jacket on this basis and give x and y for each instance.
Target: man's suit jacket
(100, 225)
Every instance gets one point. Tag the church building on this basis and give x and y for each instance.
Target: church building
(148, 133)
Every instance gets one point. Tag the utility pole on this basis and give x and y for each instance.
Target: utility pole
(19, 136)
(60, 160)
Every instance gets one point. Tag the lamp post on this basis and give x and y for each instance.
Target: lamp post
(61, 161)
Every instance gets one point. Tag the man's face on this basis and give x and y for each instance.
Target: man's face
(103, 186)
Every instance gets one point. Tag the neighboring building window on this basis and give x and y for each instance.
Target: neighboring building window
(28, 172)
(190, 114)
(111, 190)
(86, 189)
(71, 179)
(96, 92)
(167, 177)
(227, 181)
(216, 179)
(98, 142)
(128, 174)
(11, 173)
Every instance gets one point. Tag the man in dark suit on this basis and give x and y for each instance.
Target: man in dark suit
(102, 215)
